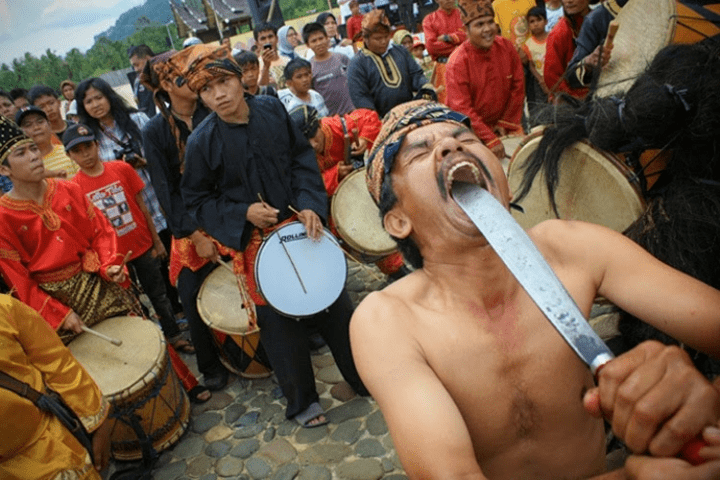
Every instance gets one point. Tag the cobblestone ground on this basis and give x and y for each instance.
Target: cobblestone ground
(242, 432)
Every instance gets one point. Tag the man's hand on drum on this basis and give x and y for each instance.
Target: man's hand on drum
(344, 170)
(262, 215)
(101, 445)
(655, 399)
(73, 323)
(312, 223)
(593, 59)
(204, 247)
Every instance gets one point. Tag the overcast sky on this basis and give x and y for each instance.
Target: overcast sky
(60, 25)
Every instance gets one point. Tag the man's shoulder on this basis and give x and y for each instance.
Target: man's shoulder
(204, 130)
(155, 124)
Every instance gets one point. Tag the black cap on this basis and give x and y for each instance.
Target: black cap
(25, 111)
(77, 133)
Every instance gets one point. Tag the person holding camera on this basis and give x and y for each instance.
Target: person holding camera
(272, 64)
(117, 130)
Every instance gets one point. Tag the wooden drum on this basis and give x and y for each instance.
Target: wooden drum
(646, 26)
(148, 401)
(595, 186)
(220, 305)
(358, 221)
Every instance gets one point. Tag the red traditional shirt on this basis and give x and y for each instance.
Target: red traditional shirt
(53, 242)
(113, 192)
(558, 53)
(440, 23)
(488, 86)
(354, 26)
(368, 125)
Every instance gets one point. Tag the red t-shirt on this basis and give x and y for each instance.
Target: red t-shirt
(113, 192)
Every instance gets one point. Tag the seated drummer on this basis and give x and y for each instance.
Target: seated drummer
(480, 384)
(245, 166)
(327, 137)
(31, 354)
(57, 251)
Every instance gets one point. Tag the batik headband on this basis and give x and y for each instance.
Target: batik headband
(400, 121)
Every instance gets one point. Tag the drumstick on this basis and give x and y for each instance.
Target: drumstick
(342, 250)
(114, 341)
(612, 30)
(226, 265)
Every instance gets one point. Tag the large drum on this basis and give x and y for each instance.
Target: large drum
(358, 221)
(298, 276)
(148, 401)
(595, 186)
(511, 143)
(646, 26)
(220, 305)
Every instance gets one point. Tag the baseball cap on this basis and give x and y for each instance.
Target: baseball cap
(75, 134)
(25, 111)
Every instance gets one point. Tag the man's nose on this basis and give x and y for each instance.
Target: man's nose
(447, 146)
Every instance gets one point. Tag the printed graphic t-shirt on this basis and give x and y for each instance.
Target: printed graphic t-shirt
(113, 192)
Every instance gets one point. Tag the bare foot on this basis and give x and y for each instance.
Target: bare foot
(319, 420)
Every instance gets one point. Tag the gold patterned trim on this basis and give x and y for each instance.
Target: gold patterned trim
(391, 80)
(10, 254)
(60, 275)
(613, 7)
(91, 261)
(91, 211)
(77, 474)
(49, 217)
(20, 142)
(92, 422)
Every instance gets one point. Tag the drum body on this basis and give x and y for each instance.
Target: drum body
(646, 26)
(510, 143)
(594, 186)
(148, 401)
(220, 306)
(358, 221)
(298, 276)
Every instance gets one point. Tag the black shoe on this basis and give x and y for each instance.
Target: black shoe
(316, 341)
(216, 381)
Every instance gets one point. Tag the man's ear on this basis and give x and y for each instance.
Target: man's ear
(166, 85)
(397, 223)
(5, 169)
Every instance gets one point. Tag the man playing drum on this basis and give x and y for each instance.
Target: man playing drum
(57, 250)
(480, 385)
(35, 443)
(246, 166)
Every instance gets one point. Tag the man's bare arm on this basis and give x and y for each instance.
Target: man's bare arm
(631, 278)
(429, 433)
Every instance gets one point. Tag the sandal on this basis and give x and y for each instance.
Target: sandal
(311, 417)
(183, 346)
(196, 392)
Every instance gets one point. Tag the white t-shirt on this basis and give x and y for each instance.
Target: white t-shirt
(291, 101)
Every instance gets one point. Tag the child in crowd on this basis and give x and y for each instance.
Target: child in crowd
(354, 23)
(298, 77)
(533, 55)
(35, 124)
(250, 65)
(329, 70)
(403, 37)
(115, 188)
(553, 12)
(425, 61)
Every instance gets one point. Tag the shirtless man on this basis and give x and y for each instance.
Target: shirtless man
(479, 384)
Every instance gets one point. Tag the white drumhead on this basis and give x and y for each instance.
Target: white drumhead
(320, 264)
(114, 368)
(220, 305)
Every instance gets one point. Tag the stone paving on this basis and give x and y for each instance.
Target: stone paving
(242, 432)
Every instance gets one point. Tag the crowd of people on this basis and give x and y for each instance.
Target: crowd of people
(101, 201)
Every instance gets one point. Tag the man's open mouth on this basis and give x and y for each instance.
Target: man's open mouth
(460, 167)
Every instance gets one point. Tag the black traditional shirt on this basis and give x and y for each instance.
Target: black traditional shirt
(228, 165)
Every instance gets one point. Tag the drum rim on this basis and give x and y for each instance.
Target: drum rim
(156, 366)
(201, 308)
(343, 232)
(328, 236)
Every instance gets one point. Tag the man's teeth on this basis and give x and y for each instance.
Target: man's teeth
(470, 167)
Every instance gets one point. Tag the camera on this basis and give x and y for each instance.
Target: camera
(128, 154)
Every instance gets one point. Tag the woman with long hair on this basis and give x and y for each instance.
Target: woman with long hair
(193, 255)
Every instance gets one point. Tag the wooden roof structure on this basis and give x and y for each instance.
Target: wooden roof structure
(191, 20)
